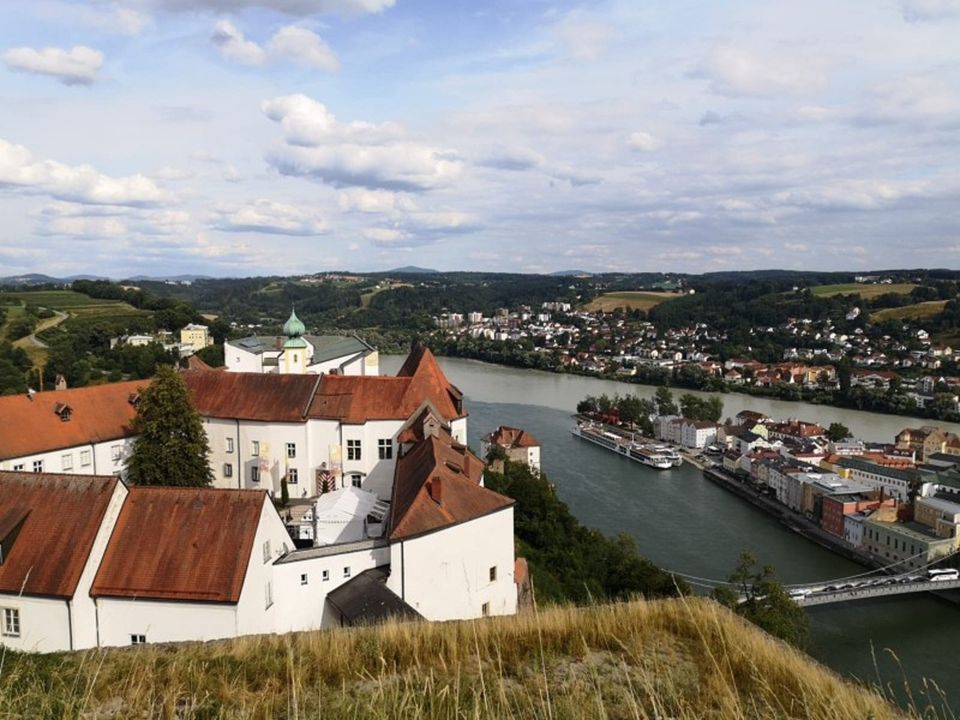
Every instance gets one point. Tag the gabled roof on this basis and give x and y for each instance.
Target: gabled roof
(181, 544)
(251, 396)
(511, 437)
(366, 599)
(32, 425)
(58, 517)
(436, 484)
(355, 398)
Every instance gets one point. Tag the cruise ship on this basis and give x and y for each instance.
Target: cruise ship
(660, 457)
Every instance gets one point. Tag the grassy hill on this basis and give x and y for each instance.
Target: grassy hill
(678, 659)
(917, 311)
(631, 300)
(865, 291)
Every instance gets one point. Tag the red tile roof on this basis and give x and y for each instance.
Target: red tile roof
(436, 484)
(354, 399)
(59, 516)
(511, 437)
(251, 396)
(97, 414)
(181, 544)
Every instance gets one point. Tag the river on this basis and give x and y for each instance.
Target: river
(683, 522)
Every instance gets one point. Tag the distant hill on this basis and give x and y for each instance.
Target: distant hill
(571, 273)
(164, 278)
(29, 279)
(412, 270)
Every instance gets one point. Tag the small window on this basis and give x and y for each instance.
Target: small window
(291, 450)
(385, 448)
(138, 639)
(18, 468)
(485, 609)
(325, 575)
(227, 470)
(293, 476)
(266, 551)
(493, 574)
(346, 571)
(353, 449)
(11, 622)
(268, 594)
(84, 458)
(303, 579)
(38, 466)
(115, 452)
(356, 480)
(66, 461)
(255, 473)
(255, 448)
(229, 445)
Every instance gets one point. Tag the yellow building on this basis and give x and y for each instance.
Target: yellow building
(196, 336)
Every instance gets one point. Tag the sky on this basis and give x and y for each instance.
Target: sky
(256, 137)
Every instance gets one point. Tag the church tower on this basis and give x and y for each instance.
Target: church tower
(293, 360)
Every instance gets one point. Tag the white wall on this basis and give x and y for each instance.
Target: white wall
(377, 473)
(163, 621)
(301, 607)
(444, 575)
(101, 459)
(253, 614)
(44, 624)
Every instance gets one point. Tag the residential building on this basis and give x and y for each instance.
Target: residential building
(910, 544)
(194, 337)
(519, 445)
(697, 434)
(922, 441)
(892, 481)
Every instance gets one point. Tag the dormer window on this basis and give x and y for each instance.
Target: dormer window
(63, 411)
(10, 524)
(133, 398)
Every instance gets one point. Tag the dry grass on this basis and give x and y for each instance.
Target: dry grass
(678, 659)
(917, 311)
(865, 291)
(630, 300)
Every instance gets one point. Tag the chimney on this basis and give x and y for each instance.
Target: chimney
(60, 383)
(435, 488)
(278, 343)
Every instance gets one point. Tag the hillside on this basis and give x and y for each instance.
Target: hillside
(658, 659)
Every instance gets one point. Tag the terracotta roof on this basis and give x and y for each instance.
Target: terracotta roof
(58, 518)
(181, 544)
(355, 398)
(251, 396)
(511, 437)
(436, 484)
(97, 414)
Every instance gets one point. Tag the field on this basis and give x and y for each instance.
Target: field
(631, 300)
(865, 291)
(917, 311)
(680, 659)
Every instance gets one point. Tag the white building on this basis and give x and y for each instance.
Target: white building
(297, 353)
(518, 444)
(84, 431)
(697, 433)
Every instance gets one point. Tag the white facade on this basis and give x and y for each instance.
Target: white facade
(238, 358)
(692, 436)
(104, 458)
(446, 575)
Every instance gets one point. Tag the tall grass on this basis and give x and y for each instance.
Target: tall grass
(676, 659)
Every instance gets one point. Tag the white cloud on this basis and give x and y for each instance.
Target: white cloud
(444, 221)
(289, 7)
(385, 237)
(929, 10)
(267, 216)
(77, 66)
(643, 141)
(738, 71)
(795, 247)
(862, 194)
(234, 46)
(360, 154)
(585, 37)
(574, 176)
(374, 201)
(231, 174)
(168, 172)
(86, 227)
(79, 183)
(304, 47)
(672, 217)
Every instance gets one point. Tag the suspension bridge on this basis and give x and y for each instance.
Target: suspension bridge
(882, 582)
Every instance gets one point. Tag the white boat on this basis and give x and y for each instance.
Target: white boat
(649, 455)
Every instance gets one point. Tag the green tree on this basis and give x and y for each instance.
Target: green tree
(284, 492)
(755, 595)
(837, 431)
(665, 403)
(171, 446)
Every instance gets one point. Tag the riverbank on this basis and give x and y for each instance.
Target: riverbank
(820, 398)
